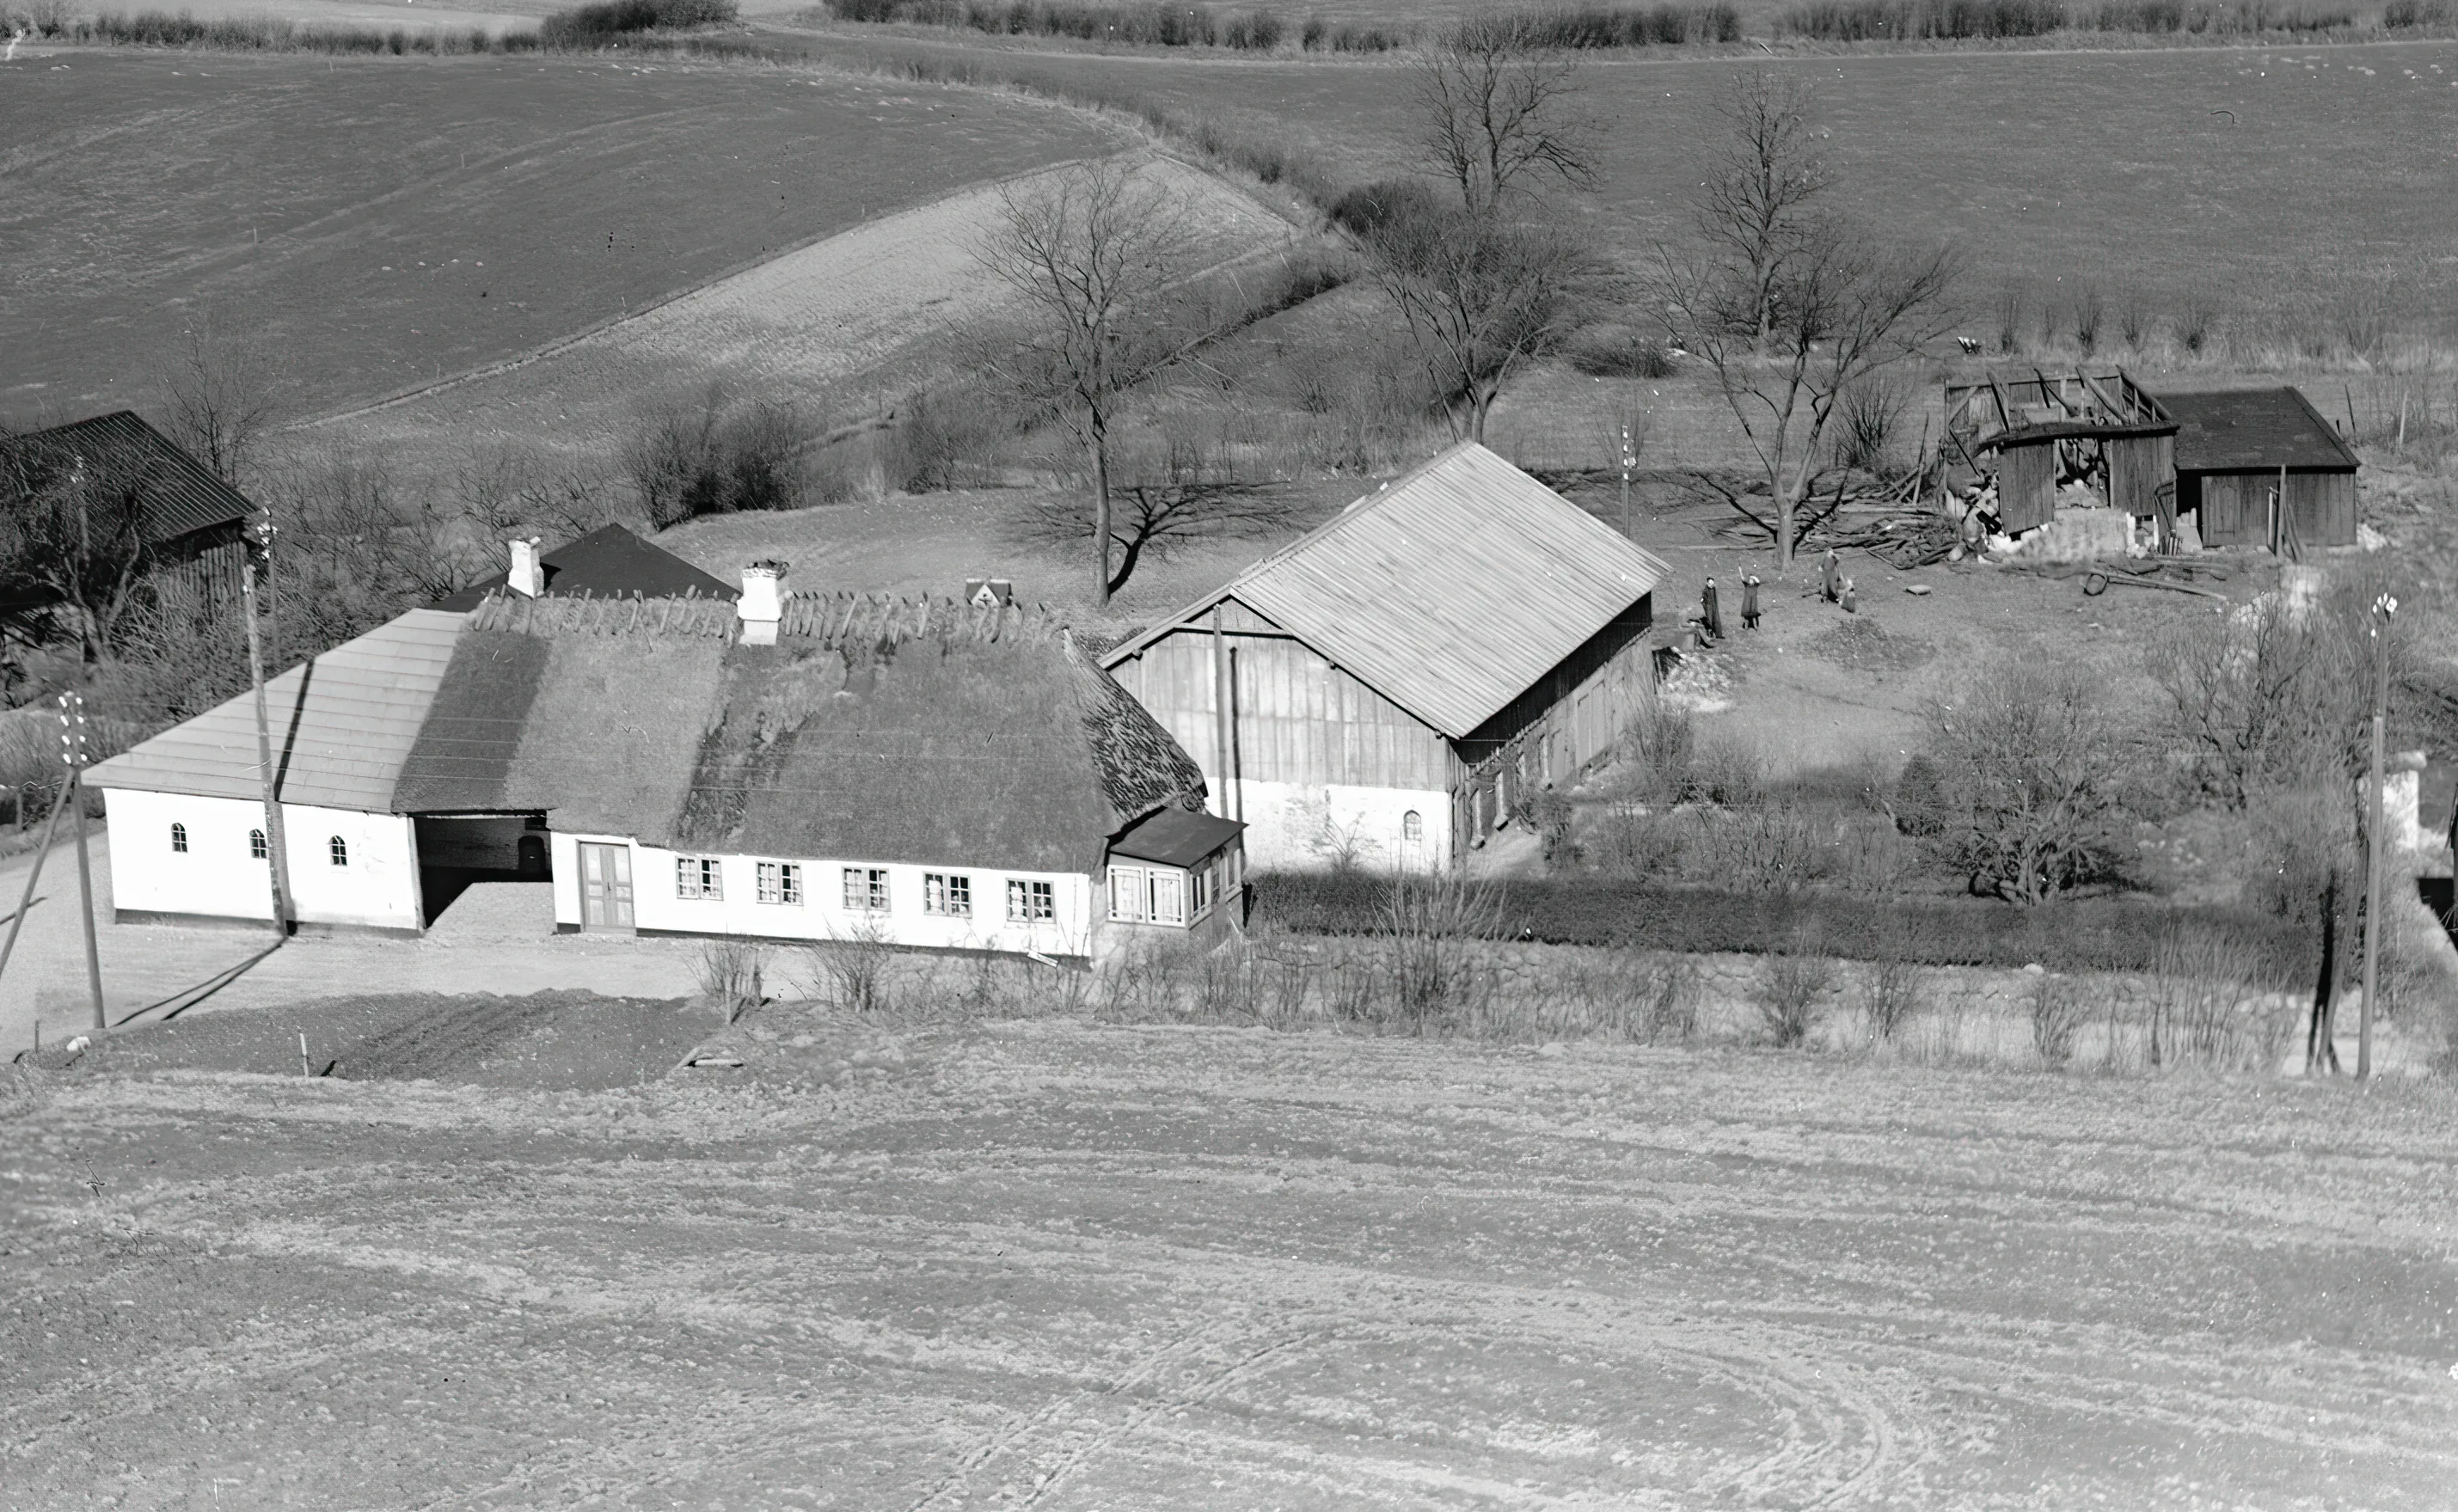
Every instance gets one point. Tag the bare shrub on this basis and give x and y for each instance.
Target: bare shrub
(2088, 310)
(1730, 773)
(729, 971)
(1658, 752)
(1890, 994)
(2198, 320)
(1673, 1007)
(1792, 982)
(2271, 692)
(1773, 845)
(1429, 925)
(849, 970)
(1629, 842)
(2208, 1008)
(685, 459)
(2009, 311)
(2134, 316)
(1866, 416)
(2058, 1009)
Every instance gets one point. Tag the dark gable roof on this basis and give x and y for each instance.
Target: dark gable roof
(2254, 429)
(181, 496)
(1176, 838)
(609, 562)
(877, 729)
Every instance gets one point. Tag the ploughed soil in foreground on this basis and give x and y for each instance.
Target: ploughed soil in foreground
(1055, 1264)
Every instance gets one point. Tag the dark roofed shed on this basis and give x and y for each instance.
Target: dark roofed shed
(2236, 449)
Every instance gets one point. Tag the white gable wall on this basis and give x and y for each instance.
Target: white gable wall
(217, 879)
(821, 915)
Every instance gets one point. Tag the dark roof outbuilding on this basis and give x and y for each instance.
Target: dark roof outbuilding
(609, 562)
(181, 496)
(2255, 431)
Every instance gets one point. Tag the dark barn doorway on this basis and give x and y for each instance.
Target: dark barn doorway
(456, 851)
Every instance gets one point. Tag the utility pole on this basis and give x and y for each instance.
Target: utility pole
(73, 754)
(2375, 848)
(276, 851)
(1628, 460)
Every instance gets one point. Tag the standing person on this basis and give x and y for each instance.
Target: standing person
(1750, 600)
(1711, 613)
(1830, 573)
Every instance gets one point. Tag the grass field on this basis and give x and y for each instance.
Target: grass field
(2115, 168)
(374, 222)
(1049, 1264)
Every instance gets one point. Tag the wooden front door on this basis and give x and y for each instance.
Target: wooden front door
(605, 886)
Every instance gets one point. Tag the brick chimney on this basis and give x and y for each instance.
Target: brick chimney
(763, 603)
(527, 576)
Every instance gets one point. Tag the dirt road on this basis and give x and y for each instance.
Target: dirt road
(1051, 1265)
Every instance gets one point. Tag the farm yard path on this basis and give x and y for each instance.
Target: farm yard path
(1048, 1264)
(495, 938)
(378, 222)
(898, 290)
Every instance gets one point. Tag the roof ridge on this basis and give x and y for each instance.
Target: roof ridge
(840, 618)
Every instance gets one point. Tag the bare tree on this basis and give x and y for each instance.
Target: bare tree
(2032, 770)
(220, 402)
(1756, 207)
(1847, 307)
(1096, 253)
(73, 538)
(1480, 297)
(1172, 501)
(1496, 108)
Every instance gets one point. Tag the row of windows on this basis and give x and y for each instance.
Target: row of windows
(336, 849)
(946, 894)
(1160, 894)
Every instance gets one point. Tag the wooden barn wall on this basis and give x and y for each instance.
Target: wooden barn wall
(2235, 506)
(2026, 487)
(2137, 467)
(1563, 723)
(1299, 717)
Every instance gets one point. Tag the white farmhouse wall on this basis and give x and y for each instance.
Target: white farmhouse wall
(1299, 826)
(821, 914)
(216, 877)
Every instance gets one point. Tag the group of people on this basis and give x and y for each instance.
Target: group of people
(1833, 588)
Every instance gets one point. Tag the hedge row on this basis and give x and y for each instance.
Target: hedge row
(1950, 20)
(2100, 934)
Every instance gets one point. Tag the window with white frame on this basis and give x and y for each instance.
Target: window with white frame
(338, 849)
(256, 849)
(866, 889)
(781, 882)
(1147, 895)
(179, 839)
(948, 892)
(1030, 902)
(1413, 827)
(700, 877)
(1199, 891)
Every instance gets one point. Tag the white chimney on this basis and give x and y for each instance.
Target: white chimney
(763, 603)
(527, 576)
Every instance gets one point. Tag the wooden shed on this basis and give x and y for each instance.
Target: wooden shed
(2033, 433)
(1389, 688)
(2242, 454)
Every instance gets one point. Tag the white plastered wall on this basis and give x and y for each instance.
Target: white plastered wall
(821, 914)
(218, 878)
(1298, 826)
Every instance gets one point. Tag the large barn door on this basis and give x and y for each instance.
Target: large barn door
(605, 886)
(2026, 487)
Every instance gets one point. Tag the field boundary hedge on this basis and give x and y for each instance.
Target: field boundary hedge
(2097, 934)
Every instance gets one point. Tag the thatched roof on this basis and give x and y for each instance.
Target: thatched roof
(886, 729)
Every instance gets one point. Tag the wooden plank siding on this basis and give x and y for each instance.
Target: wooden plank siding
(1565, 722)
(1298, 718)
(2137, 466)
(2026, 487)
(2235, 506)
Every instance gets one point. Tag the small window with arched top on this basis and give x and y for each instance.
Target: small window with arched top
(1413, 827)
(341, 849)
(256, 847)
(179, 839)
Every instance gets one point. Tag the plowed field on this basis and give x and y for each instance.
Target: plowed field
(1051, 1265)
(379, 223)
